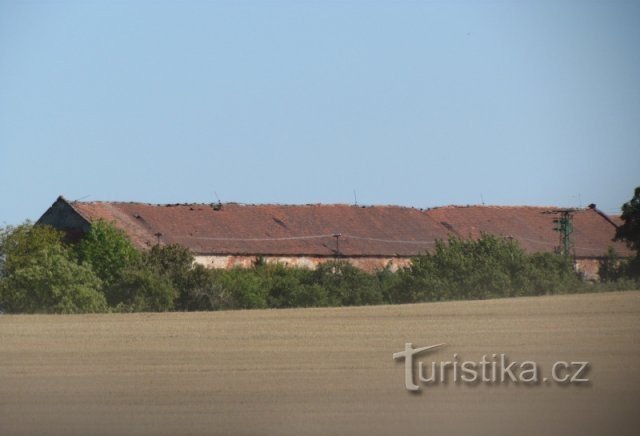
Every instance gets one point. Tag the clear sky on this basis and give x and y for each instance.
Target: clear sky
(411, 103)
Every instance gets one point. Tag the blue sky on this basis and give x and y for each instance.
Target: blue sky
(411, 103)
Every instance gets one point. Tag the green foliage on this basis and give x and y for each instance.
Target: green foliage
(290, 287)
(277, 286)
(140, 289)
(551, 273)
(19, 243)
(242, 288)
(49, 281)
(201, 290)
(629, 231)
(388, 283)
(621, 284)
(611, 267)
(174, 261)
(631, 268)
(489, 267)
(346, 285)
(195, 286)
(104, 272)
(108, 251)
(160, 279)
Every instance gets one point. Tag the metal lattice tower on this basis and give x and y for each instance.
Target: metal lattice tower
(564, 226)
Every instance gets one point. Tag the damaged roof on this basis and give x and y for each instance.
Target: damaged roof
(311, 230)
(533, 227)
(273, 229)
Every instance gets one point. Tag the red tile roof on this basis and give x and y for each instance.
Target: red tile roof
(296, 230)
(274, 229)
(533, 227)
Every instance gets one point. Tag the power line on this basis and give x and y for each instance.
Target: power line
(362, 238)
(287, 238)
(295, 238)
(399, 241)
(554, 244)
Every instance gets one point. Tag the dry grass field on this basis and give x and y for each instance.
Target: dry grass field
(319, 371)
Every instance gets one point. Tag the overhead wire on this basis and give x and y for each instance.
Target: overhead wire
(344, 236)
(294, 238)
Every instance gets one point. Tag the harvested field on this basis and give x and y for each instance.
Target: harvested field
(319, 371)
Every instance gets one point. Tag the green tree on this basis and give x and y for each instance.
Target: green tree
(19, 243)
(388, 282)
(108, 251)
(550, 273)
(134, 281)
(465, 268)
(141, 289)
(489, 267)
(50, 281)
(175, 263)
(346, 285)
(242, 288)
(611, 267)
(290, 287)
(629, 231)
(195, 285)
(201, 290)
(173, 260)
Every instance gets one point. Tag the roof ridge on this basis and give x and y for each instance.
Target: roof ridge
(498, 206)
(233, 203)
(322, 205)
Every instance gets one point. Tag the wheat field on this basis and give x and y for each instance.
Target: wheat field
(319, 371)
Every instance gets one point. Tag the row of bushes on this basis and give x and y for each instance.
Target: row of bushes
(104, 272)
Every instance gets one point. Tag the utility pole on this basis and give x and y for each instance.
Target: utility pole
(337, 236)
(564, 226)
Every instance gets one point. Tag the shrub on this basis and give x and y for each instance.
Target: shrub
(140, 289)
(290, 287)
(241, 288)
(485, 268)
(550, 273)
(18, 244)
(51, 282)
(346, 285)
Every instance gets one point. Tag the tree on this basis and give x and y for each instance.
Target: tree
(19, 243)
(629, 231)
(49, 281)
(173, 259)
(346, 285)
(489, 267)
(550, 273)
(201, 291)
(289, 287)
(140, 289)
(242, 288)
(134, 281)
(194, 284)
(108, 251)
(466, 268)
(611, 267)
(39, 274)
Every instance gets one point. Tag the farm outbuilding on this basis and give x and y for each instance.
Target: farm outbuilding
(370, 237)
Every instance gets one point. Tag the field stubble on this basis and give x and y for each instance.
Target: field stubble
(319, 371)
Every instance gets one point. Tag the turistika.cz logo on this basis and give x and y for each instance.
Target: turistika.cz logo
(494, 368)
